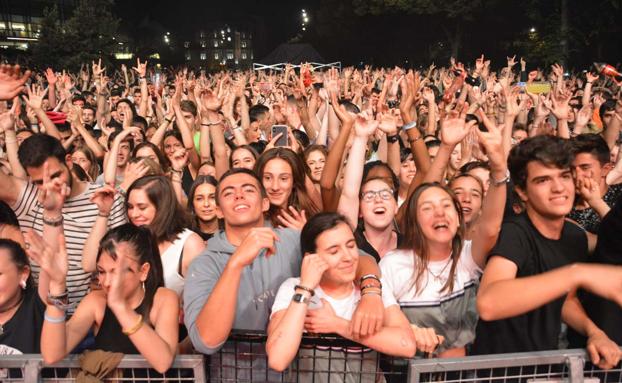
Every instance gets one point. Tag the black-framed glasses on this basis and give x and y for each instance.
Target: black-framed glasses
(370, 195)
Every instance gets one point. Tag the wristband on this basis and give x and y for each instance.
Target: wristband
(212, 123)
(104, 215)
(410, 125)
(370, 286)
(392, 139)
(502, 181)
(305, 288)
(369, 276)
(367, 292)
(54, 222)
(54, 319)
(136, 327)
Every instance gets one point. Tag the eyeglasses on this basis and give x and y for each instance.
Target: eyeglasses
(370, 195)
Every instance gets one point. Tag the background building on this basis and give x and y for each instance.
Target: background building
(219, 47)
(20, 20)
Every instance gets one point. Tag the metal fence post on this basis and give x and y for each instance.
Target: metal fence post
(575, 367)
(32, 369)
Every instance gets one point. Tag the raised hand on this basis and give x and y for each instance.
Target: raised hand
(511, 61)
(7, 120)
(313, 267)
(559, 104)
(454, 128)
(257, 239)
(479, 64)
(11, 81)
(134, 171)
(53, 191)
(387, 123)
(590, 77)
(50, 76)
(140, 68)
(364, 127)
(96, 68)
(179, 159)
(292, 218)
(104, 198)
(53, 262)
(589, 189)
(492, 141)
(115, 296)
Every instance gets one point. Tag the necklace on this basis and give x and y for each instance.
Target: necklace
(7, 310)
(439, 277)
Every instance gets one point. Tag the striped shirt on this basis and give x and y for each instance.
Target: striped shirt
(79, 215)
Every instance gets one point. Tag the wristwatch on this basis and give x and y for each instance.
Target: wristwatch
(392, 139)
(300, 298)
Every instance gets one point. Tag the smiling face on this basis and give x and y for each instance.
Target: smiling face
(171, 143)
(337, 247)
(140, 210)
(315, 162)
(240, 202)
(278, 180)
(470, 194)
(204, 202)
(378, 205)
(437, 216)
(549, 191)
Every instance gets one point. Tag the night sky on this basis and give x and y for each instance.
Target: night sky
(497, 28)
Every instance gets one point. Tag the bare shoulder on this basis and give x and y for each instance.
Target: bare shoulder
(164, 297)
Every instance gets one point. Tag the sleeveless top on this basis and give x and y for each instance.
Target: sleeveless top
(171, 263)
(110, 336)
(452, 314)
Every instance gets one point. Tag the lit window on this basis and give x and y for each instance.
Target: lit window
(203, 56)
(215, 43)
(216, 56)
(230, 56)
(188, 56)
(243, 44)
(186, 44)
(244, 56)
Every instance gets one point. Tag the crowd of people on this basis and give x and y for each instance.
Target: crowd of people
(448, 212)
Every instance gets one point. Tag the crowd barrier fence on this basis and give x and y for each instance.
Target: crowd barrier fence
(325, 359)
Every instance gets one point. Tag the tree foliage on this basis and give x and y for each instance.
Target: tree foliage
(87, 35)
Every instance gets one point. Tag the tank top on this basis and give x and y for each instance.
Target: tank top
(171, 263)
(110, 336)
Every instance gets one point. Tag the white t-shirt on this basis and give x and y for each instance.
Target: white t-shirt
(397, 269)
(344, 307)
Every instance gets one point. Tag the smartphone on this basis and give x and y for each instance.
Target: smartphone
(318, 85)
(284, 139)
(538, 87)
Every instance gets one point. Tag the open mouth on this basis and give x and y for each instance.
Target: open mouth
(441, 226)
(380, 210)
(241, 207)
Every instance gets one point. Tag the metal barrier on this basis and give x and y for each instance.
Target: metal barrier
(571, 366)
(320, 359)
(326, 359)
(30, 368)
(280, 67)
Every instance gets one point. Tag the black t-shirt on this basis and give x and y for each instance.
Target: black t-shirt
(521, 243)
(606, 314)
(363, 244)
(23, 331)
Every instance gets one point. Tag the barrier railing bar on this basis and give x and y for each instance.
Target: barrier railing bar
(575, 367)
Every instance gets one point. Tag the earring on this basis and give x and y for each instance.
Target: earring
(23, 285)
